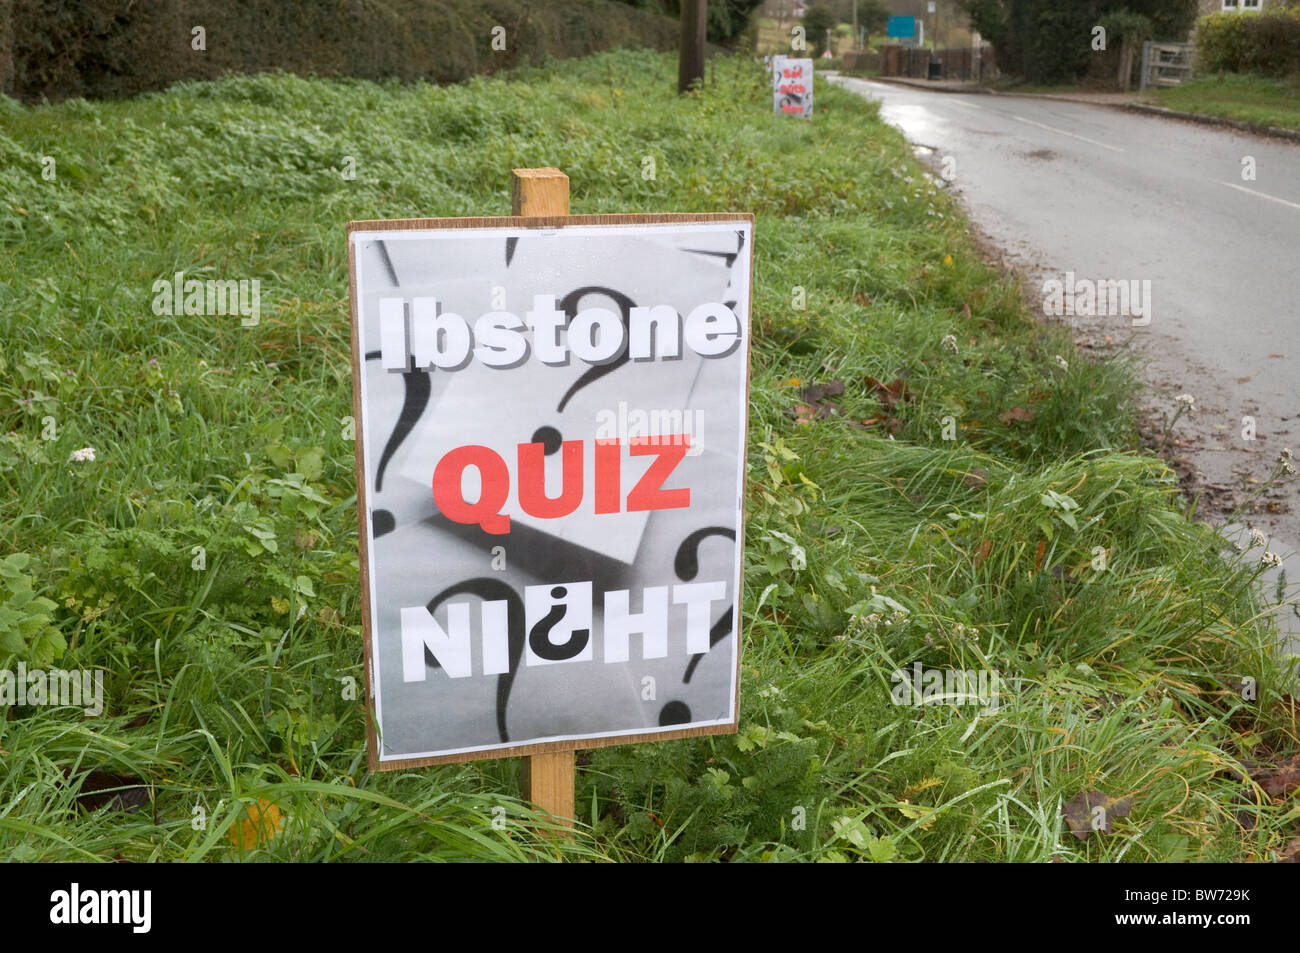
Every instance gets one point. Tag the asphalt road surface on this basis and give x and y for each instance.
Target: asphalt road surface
(1112, 195)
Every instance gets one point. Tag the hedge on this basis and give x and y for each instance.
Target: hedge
(58, 49)
(1267, 43)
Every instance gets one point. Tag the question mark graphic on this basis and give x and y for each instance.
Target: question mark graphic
(489, 590)
(539, 639)
(728, 258)
(548, 436)
(416, 388)
(686, 565)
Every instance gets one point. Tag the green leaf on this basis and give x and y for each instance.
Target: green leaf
(310, 463)
(882, 850)
(48, 646)
(11, 643)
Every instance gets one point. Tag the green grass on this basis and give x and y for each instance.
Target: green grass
(1254, 99)
(866, 551)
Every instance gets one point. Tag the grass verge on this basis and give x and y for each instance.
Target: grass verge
(1253, 99)
(974, 501)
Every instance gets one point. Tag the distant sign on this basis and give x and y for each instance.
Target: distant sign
(792, 86)
(902, 26)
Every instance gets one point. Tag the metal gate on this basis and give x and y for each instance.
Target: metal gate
(1165, 64)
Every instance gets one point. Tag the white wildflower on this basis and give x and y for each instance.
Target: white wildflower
(82, 455)
(1271, 559)
(949, 343)
(1188, 400)
(1065, 365)
(1257, 536)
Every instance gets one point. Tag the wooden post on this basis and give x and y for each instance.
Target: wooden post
(548, 778)
(690, 60)
(536, 192)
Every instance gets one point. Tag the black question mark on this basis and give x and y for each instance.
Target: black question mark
(492, 589)
(548, 436)
(687, 565)
(415, 400)
(539, 638)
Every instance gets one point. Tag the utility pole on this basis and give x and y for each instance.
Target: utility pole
(690, 62)
(856, 39)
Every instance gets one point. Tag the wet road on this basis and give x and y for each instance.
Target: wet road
(1111, 195)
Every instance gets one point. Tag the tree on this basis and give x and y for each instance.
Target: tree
(727, 19)
(872, 15)
(1050, 41)
(816, 22)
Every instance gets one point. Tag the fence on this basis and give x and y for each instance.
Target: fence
(1165, 64)
(964, 63)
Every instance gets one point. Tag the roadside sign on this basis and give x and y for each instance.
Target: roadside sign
(551, 417)
(792, 86)
(902, 27)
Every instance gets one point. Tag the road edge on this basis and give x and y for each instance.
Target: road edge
(1241, 125)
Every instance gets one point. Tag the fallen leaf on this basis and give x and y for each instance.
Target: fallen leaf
(1290, 854)
(890, 395)
(117, 792)
(986, 547)
(923, 814)
(978, 476)
(1061, 574)
(1083, 815)
(1038, 554)
(816, 392)
(1017, 413)
(816, 406)
(1280, 780)
(263, 821)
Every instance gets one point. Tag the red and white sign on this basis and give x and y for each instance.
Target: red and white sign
(551, 426)
(792, 86)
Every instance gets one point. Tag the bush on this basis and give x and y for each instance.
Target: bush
(1264, 43)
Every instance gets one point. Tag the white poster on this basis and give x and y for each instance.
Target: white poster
(552, 428)
(792, 86)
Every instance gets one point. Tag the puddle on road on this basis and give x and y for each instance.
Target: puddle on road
(929, 156)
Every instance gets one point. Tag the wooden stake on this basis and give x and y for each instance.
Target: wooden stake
(690, 57)
(537, 192)
(548, 778)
